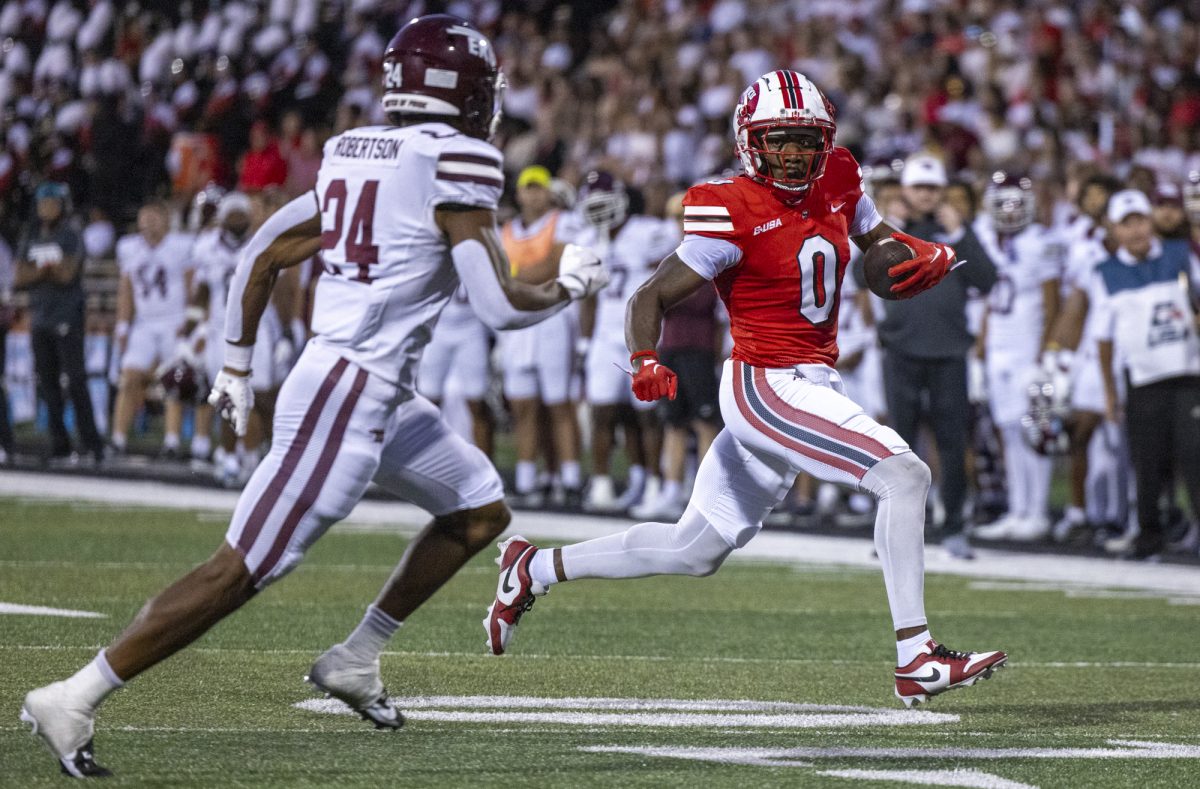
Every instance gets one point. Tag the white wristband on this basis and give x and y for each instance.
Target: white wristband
(238, 357)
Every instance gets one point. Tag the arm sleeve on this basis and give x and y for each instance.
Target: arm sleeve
(467, 172)
(486, 294)
(298, 211)
(708, 257)
(866, 217)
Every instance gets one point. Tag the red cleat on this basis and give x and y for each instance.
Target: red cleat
(938, 669)
(515, 593)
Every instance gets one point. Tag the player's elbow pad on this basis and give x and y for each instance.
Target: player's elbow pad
(486, 294)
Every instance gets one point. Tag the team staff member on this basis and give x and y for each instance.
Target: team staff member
(50, 267)
(538, 360)
(1146, 327)
(927, 341)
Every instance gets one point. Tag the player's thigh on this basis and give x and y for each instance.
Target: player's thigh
(141, 347)
(556, 355)
(330, 419)
(607, 382)
(435, 367)
(1006, 381)
(424, 461)
(736, 486)
(469, 366)
(813, 427)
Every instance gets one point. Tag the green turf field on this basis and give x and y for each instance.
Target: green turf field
(224, 714)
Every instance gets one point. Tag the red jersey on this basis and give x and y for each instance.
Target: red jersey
(782, 295)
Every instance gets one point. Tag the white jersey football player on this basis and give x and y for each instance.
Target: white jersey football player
(403, 213)
(1021, 309)
(156, 276)
(632, 247)
(202, 338)
(1099, 469)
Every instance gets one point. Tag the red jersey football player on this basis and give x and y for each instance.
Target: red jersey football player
(775, 242)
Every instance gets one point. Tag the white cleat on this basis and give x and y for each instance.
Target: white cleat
(339, 673)
(1003, 529)
(66, 726)
(1030, 530)
(600, 496)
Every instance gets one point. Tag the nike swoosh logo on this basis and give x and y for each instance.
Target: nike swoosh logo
(835, 207)
(934, 676)
(508, 575)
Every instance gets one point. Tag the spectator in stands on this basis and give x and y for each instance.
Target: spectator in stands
(303, 162)
(1146, 326)
(262, 166)
(926, 341)
(50, 267)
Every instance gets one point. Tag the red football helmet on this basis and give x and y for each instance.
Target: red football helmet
(780, 102)
(442, 65)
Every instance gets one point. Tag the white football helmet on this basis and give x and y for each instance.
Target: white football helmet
(783, 100)
(1010, 202)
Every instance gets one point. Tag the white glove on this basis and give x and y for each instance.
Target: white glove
(580, 272)
(233, 398)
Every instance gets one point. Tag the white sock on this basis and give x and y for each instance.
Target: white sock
(1076, 514)
(637, 477)
(372, 634)
(899, 483)
(201, 446)
(1014, 471)
(670, 491)
(92, 683)
(526, 475)
(541, 567)
(908, 649)
(572, 479)
(118, 440)
(171, 441)
(690, 547)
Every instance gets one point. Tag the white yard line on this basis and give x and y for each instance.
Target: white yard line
(777, 547)
(41, 610)
(970, 778)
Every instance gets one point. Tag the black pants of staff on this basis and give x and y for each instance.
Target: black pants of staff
(6, 434)
(933, 391)
(1163, 424)
(58, 350)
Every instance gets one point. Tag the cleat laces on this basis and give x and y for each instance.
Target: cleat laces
(950, 654)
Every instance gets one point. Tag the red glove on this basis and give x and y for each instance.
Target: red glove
(930, 266)
(652, 379)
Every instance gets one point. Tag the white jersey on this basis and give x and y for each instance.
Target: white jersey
(631, 257)
(388, 271)
(1024, 261)
(216, 259)
(157, 275)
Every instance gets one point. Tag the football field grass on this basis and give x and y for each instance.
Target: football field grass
(763, 674)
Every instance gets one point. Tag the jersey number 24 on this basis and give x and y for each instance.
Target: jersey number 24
(359, 248)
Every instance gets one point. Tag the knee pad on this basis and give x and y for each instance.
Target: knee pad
(904, 472)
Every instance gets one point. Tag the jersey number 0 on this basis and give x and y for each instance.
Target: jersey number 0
(359, 248)
(818, 262)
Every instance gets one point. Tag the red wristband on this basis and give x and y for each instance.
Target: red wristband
(643, 355)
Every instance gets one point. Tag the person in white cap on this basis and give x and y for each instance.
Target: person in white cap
(926, 341)
(1145, 296)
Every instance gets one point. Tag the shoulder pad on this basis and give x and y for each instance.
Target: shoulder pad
(706, 208)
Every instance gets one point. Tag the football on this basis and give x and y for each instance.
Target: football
(880, 257)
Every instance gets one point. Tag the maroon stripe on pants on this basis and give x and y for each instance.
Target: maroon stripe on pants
(317, 480)
(266, 502)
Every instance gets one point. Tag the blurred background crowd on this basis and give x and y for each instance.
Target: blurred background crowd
(116, 115)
